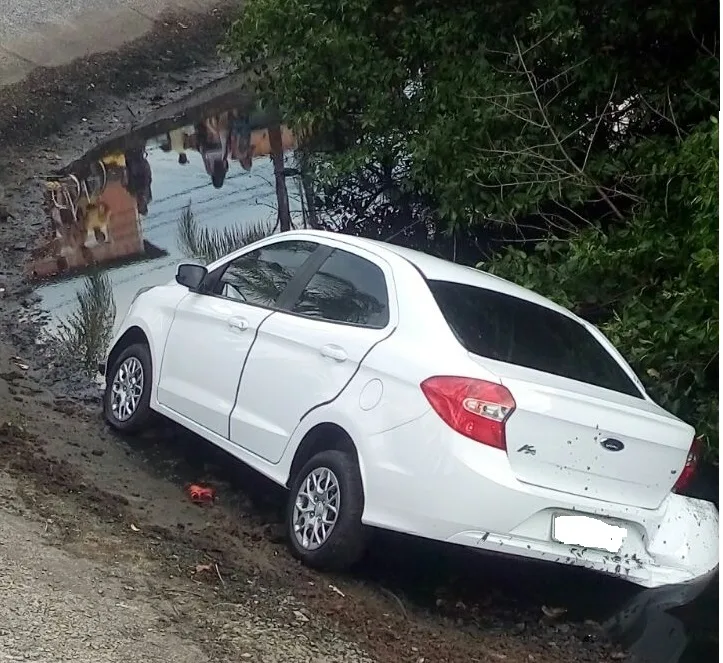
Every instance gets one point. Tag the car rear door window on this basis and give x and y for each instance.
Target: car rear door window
(260, 276)
(347, 289)
(509, 329)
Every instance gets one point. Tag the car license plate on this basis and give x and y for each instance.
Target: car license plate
(588, 532)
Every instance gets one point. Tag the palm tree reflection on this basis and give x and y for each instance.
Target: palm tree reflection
(333, 297)
(208, 245)
(87, 331)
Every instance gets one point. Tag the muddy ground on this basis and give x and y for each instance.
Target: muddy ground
(103, 551)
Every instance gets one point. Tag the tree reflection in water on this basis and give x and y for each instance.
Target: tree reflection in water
(88, 330)
(208, 245)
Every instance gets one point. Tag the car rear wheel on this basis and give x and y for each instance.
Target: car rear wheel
(324, 512)
(126, 403)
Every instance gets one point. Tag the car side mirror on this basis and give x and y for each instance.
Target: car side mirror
(191, 275)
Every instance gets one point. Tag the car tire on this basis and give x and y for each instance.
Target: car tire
(345, 542)
(135, 359)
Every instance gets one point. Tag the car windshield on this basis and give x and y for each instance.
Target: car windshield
(509, 329)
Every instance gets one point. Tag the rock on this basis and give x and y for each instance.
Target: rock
(5, 213)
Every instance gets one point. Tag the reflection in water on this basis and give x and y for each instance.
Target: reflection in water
(210, 244)
(219, 139)
(194, 182)
(88, 330)
(198, 182)
(646, 627)
(94, 216)
(96, 212)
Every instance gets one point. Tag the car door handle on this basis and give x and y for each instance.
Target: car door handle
(334, 352)
(239, 324)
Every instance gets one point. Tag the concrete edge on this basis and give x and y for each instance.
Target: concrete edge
(56, 44)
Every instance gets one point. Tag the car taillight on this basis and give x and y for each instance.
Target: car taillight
(474, 408)
(691, 464)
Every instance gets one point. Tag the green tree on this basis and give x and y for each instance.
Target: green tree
(497, 110)
(583, 124)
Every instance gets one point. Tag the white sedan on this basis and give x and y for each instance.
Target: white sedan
(387, 388)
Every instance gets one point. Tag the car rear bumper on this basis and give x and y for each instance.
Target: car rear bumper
(424, 479)
(685, 548)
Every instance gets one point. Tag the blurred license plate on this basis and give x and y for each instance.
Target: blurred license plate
(588, 532)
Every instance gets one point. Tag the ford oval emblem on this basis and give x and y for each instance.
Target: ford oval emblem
(612, 445)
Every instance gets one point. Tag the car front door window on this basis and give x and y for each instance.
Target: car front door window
(260, 276)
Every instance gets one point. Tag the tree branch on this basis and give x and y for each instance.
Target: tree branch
(533, 85)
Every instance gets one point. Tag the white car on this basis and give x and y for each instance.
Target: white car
(388, 388)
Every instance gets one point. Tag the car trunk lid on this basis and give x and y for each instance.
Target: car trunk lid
(582, 439)
(581, 423)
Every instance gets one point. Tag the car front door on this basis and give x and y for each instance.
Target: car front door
(214, 329)
(306, 354)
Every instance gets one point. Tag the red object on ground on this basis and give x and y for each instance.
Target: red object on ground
(200, 494)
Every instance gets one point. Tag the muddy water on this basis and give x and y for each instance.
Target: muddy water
(118, 210)
(246, 199)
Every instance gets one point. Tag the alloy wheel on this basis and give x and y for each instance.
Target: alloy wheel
(126, 389)
(316, 508)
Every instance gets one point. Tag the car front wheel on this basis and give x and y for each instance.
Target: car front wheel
(324, 512)
(126, 404)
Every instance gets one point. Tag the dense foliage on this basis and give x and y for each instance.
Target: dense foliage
(652, 283)
(584, 126)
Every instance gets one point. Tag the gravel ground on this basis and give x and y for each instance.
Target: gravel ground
(75, 592)
(61, 607)
(20, 18)
(47, 99)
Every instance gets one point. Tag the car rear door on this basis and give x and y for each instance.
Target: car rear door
(212, 331)
(306, 354)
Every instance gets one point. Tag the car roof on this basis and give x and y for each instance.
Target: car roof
(438, 269)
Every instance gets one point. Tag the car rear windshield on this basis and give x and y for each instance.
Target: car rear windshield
(505, 328)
